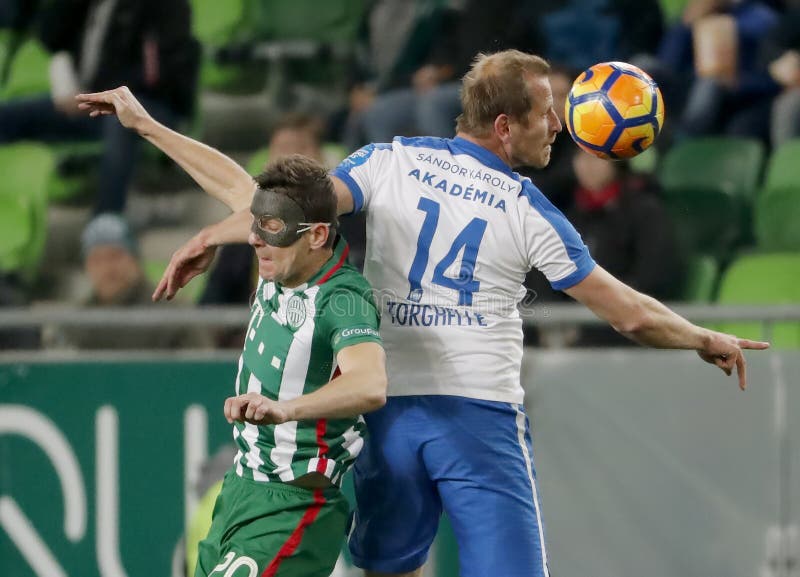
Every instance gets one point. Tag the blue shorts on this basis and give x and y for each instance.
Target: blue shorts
(473, 459)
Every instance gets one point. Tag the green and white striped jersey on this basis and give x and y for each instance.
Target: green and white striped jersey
(290, 349)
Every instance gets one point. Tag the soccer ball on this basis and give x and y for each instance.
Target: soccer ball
(614, 110)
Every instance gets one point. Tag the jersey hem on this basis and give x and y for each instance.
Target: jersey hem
(477, 394)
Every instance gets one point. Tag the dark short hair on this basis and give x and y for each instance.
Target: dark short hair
(497, 84)
(306, 182)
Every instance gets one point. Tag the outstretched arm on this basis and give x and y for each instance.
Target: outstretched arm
(648, 322)
(218, 175)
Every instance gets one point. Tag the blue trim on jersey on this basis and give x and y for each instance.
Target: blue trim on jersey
(355, 190)
(576, 249)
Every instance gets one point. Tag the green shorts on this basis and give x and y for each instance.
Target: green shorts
(273, 530)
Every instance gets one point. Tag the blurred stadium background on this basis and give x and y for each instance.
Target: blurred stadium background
(650, 463)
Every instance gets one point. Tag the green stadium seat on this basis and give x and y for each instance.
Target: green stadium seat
(777, 219)
(725, 164)
(783, 170)
(768, 278)
(215, 24)
(702, 272)
(16, 231)
(29, 72)
(26, 169)
(709, 185)
(333, 21)
(777, 209)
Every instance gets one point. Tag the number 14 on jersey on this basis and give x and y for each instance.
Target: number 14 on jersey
(467, 242)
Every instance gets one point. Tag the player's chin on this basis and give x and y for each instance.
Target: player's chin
(540, 161)
(545, 156)
(266, 269)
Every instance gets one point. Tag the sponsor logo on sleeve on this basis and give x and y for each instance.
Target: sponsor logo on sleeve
(356, 332)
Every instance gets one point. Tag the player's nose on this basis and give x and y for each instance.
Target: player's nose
(254, 240)
(555, 123)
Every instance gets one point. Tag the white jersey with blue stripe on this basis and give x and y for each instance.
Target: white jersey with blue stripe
(451, 233)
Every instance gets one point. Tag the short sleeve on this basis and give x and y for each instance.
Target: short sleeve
(552, 244)
(360, 171)
(350, 317)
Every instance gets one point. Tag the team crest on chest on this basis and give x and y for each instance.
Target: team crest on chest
(295, 312)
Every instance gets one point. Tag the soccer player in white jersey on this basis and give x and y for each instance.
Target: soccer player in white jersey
(451, 233)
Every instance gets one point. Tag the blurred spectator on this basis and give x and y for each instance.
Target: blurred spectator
(557, 179)
(399, 37)
(114, 271)
(98, 45)
(628, 231)
(427, 101)
(781, 54)
(579, 33)
(713, 51)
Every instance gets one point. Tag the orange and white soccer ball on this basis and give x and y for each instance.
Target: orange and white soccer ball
(614, 110)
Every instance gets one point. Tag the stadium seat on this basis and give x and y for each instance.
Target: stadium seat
(777, 219)
(777, 209)
(214, 24)
(26, 169)
(333, 21)
(16, 231)
(783, 171)
(702, 272)
(709, 185)
(726, 164)
(29, 74)
(768, 278)
(306, 44)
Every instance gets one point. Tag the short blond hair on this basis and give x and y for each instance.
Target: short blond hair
(497, 84)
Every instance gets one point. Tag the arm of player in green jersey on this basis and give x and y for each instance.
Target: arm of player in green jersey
(359, 389)
(197, 254)
(645, 320)
(217, 174)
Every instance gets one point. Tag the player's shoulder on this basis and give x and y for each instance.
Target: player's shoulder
(532, 198)
(346, 280)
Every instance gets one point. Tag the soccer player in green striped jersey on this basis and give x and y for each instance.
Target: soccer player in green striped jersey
(312, 363)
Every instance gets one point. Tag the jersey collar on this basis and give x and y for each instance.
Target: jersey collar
(340, 251)
(485, 156)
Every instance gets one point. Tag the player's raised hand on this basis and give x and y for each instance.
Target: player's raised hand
(727, 352)
(119, 101)
(255, 409)
(189, 261)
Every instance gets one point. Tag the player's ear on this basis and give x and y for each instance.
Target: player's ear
(318, 235)
(502, 127)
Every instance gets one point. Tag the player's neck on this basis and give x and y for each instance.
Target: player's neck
(490, 143)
